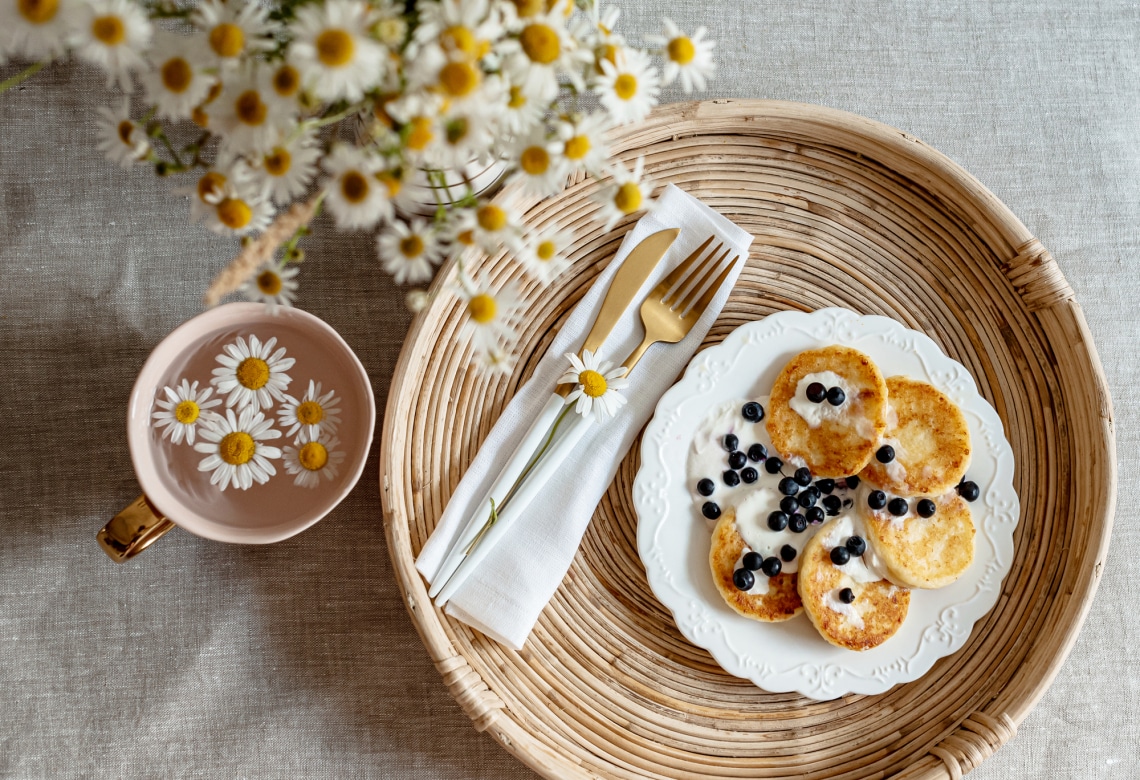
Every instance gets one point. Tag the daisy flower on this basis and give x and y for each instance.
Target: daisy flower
(597, 384)
(36, 30)
(583, 143)
(690, 58)
(240, 210)
(121, 140)
(521, 113)
(463, 28)
(274, 285)
(212, 187)
(176, 81)
(544, 253)
(490, 225)
(468, 134)
(539, 167)
(286, 83)
(628, 193)
(355, 198)
(233, 28)
(333, 51)
(456, 79)
(113, 34)
(390, 27)
(288, 167)
(182, 409)
(628, 89)
(236, 449)
(253, 375)
(496, 360)
(543, 50)
(408, 251)
(605, 42)
(247, 117)
(313, 415)
(490, 315)
(312, 459)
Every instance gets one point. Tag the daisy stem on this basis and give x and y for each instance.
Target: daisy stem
(538, 455)
(27, 73)
(332, 119)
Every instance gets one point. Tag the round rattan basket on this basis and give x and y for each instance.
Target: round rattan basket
(846, 212)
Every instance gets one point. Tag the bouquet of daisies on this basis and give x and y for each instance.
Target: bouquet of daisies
(374, 112)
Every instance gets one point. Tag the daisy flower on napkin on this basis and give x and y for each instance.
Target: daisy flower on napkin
(597, 384)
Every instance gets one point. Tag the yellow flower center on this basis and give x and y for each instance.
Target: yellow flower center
(335, 48)
(577, 147)
(199, 117)
(286, 80)
(535, 160)
(234, 213)
(390, 31)
(518, 99)
(540, 43)
(391, 181)
(628, 198)
(354, 186)
(278, 161)
(177, 75)
(420, 134)
(625, 86)
(546, 250)
(593, 383)
(313, 456)
(227, 40)
(186, 412)
(126, 129)
(482, 308)
(249, 108)
(462, 39)
(681, 51)
(269, 282)
(310, 413)
(252, 373)
(109, 30)
(467, 237)
(459, 79)
(608, 52)
(38, 11)
(529, 8)
(210, 184)
(411, 246)
(491, 218)
(380, 110)
(237, 448)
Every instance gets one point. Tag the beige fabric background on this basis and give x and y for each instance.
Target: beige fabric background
(206, 660)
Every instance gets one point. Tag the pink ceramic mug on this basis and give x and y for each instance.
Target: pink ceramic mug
(176, 492)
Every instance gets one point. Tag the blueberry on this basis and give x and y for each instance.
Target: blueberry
(731, 478)
(816, 392)
(731, 442)
(757, 453)
(969, 491)
(798, 523)
(832, 505)
(773, 465)
(856, 546)
(825, 485)
(898, 507)
(737, 460)
(806, 498)
(815, 492)
(840, 555)
(847, 595)
(803, 476)
(753, 412)
(710, 510)
(852, 482)
(753, 560)
(814, 515)
(772, 566)
(788, 486)
(836, 396)
(777, 521)
(885, 454)
(926, 508)
(749, 475)
(876, 499)
(743, 579)
(788, 553)
(706, 487)
(789, 505)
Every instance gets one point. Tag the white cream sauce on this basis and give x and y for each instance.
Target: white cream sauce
(814, 414)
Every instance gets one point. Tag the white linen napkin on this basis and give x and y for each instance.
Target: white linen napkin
(505, 595)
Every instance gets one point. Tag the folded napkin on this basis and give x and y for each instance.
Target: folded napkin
(504, 596)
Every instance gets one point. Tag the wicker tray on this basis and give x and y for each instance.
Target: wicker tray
(846, 212)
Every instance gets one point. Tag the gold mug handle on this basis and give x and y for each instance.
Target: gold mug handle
(133, 530)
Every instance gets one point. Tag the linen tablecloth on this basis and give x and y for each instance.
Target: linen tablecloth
(298, 659)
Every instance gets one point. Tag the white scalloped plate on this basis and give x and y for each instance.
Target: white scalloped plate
(673, 539)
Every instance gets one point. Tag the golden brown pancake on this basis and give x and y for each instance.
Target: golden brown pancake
(779, 603)
(923, 552)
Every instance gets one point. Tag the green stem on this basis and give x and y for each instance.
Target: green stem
(27, 73)
(332, 119)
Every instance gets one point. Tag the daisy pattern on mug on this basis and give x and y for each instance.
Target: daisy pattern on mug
(597, 383)
(183, 409)
(311, 458)
(236, 449)
(252, 375)
(314, 414)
